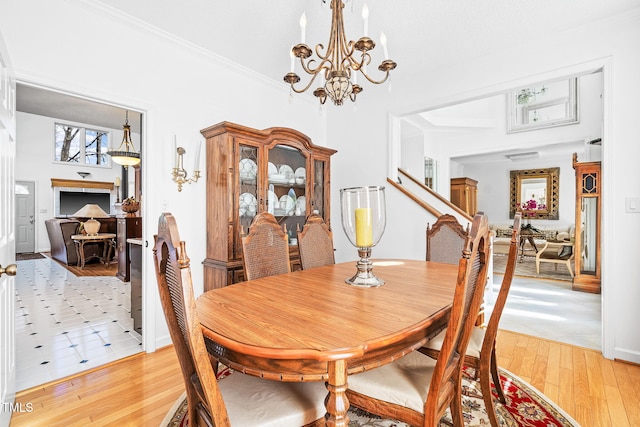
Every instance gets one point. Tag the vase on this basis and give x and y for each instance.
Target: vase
(131, 208)
(363, 221)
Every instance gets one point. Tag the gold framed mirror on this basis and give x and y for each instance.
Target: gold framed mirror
(539, 188)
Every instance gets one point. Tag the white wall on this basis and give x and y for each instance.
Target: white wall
(574, 51)
(179, 88)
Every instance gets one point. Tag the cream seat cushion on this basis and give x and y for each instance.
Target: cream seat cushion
(475, 343)
(403, 382)
(252, 401)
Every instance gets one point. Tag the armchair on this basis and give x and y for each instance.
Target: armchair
(560, 251)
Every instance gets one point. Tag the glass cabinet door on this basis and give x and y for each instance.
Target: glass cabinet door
(248, 184)
(287, 188)
(319, 171)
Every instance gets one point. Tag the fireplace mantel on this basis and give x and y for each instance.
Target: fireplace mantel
(75, 183)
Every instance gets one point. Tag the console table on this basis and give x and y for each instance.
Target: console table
(106, 239)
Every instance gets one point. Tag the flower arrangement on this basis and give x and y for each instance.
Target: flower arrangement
(528, 210)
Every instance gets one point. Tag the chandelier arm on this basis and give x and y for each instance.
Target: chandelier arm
(313, 78)
(308, 67)
(384, 79)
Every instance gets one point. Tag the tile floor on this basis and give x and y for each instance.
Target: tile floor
(550, 309)
(67, 324)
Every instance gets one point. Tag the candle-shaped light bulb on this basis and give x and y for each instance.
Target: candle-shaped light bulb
(364, 228)
(175, 148)
(303, 26)
(197, 162)
(383, 42)
(293, 58)
(365, 19)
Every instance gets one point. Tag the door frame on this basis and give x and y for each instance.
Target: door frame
(148, 298)
(605, 65)
(7, 234)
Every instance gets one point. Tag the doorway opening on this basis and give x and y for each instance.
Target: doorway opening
(94, 313)
(458, 135)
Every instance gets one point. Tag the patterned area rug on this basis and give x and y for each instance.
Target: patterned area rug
(526, 407)
(527, 268)
(92, 268)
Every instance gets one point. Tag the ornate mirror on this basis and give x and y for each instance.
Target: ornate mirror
(535, 192)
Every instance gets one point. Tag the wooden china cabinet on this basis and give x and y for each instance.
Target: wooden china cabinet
(277, 170)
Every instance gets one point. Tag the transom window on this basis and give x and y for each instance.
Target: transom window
(81, 146)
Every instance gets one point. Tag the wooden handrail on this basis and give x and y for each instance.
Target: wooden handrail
(436, 195)
(415, 198)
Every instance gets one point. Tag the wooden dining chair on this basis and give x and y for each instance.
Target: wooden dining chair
(415, 388)
(315, 243)
(265, 249)
(446, 240)
(238, 399)
(481, 351)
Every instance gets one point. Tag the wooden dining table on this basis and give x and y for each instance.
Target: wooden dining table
(310, 325)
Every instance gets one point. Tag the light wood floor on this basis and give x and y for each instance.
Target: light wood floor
(140, 390)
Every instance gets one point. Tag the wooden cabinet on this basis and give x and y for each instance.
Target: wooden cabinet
(464, 194)
(135, 252)
(127, 228)
(588, 214)
(278, 170)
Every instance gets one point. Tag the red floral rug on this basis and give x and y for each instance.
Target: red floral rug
(526, 407)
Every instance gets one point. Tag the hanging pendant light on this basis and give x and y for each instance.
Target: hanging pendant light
(125, 155)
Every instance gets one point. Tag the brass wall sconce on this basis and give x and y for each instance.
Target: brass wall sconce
(180, 174)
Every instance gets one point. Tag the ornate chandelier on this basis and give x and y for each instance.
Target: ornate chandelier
(337, 65)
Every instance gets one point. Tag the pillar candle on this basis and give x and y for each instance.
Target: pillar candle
(364, 228)
(117, 181)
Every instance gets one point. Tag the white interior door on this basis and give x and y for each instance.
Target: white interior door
(25, 217)
(7, 235)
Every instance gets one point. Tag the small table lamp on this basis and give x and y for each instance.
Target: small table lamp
(91, 226)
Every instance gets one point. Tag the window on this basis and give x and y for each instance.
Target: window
(82, 146)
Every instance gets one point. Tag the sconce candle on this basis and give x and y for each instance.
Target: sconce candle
(180, 175)
(363, 221)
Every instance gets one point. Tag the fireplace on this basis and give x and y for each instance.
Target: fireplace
(71, 195)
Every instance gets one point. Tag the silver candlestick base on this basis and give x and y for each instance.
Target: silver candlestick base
(364, 277)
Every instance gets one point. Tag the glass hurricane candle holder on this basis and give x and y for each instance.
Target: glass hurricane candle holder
(363, 220)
